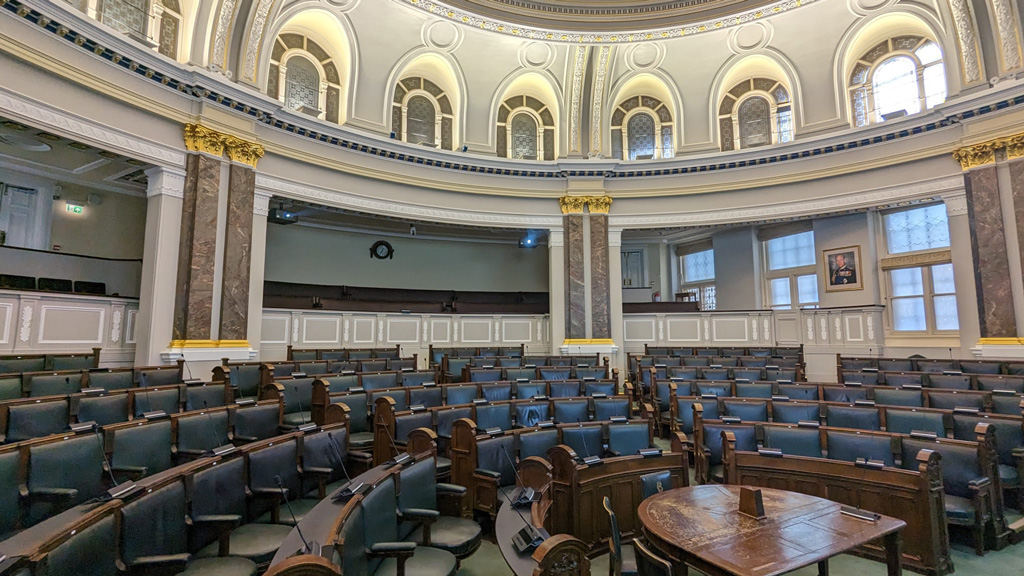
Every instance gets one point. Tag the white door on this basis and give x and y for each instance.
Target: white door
(17, 215)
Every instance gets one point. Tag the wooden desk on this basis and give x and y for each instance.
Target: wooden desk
(701, 527)
(505, 527)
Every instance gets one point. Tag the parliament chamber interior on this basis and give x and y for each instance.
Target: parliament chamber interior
(511, 287)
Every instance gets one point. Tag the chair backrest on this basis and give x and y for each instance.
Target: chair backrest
(259, 422)
(531, 389)
(714, 374)
(460, 394)
(555, 373)
(753, 411)
(684, 372)
(529, 414)
(312, 368)
(380, 521)
(399, 395)
(717, 388)
(496, 391)
(849, 446)
(564, 389)
(853, 417)
(843, 393)
(215, 491)
(22, 364)
(513, 373)
(858, 377)
(490, 455)
(202, 431)
(494, 416)
(628, 439)
(1009, 434)
(154, 524)
(651, 484)
(302, 355)
(537, 443)
(907, 421)
(951, 399)
(774, 374)
(596, 372)
(606, 408)
(1001, 382)
(373, 365)
(950, 381)
(794, 412)
(35, 420)
(898, 397)
(569, 411)
(85, 551)
(318, 453)
(584, 440)
(753, 389)
(856, 363)
(246, 379)
(684, 412)
(485, 374)
(358, 415)
(49, 463)
(798, 391)
(793, 441)
(378, 380)
(158, 377)
(353, 558)
(281, 459)
(54, 384)
(696, 360)
(746, 439)
(418, 489)
(980, 367)
(649, 564)
(926, 365)
(903, 378)
(10, 510)
(959, 463)
(210, 396)
(897, 365)
(447, 416)
(408, 422)
(591, 388)
(429, 397)
(110, 379)
(615, 542)
(416, 378)
(143, 445)
(1007, 404)
(166, 399)
(341, 383)
(10, 386)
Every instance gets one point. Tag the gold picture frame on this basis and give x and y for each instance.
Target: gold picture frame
(843, 271)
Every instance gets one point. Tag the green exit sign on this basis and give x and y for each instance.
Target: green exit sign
(74, 208)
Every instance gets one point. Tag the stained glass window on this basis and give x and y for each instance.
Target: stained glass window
(524, 137)
(641, 136)
(666, 142)
(421, 121)
(125, 16)
(755, 122)
(917, 229)
(699, 266)
(301, 84)
(791, 251)
(786, 125)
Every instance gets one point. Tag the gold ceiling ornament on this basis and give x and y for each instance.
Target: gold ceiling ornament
(977, 154)
(1015, 146)
(242, 151)
(199, 138)
(572, 204)
(599, 204)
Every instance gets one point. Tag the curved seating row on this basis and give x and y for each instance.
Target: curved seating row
(39, 362)
(308, 354)
(70, 381)
(930, 365)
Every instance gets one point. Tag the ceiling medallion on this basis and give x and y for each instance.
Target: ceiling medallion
(443, 10)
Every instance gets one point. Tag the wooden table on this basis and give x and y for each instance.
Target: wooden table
(701, 527)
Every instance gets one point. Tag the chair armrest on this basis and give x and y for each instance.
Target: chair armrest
(614, 452)
(360, 455)
(229, 520)
(316, 471)
(133, 472)
(187, 452)
(52, 494)
(487, 473)
(270, 493)
(244, 439)
(453, 489)
(422, 514)
(979, 483)
(159, 565)
(400, 550)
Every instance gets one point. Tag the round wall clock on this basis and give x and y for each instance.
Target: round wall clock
(382, 250)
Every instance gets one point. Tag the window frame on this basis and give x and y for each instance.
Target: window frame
(644, 282)
(438, 116)
(509, 136)
(286, 58)
(620, 123)
(776, 108)
(867, 85)
(698, 286)
(793, 274)
(658, 152)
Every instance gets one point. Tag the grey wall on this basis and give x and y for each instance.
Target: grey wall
(318, 256)
(737, 269)
(841, 232)
(121, 276)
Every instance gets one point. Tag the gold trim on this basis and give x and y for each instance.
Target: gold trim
(1001, 341)
(599, 204)
(199, 138)
(938, 257)
(1015, 146)
(977, 154)
(576, 341)
(209, 344)
(572, 204)
(243, 152)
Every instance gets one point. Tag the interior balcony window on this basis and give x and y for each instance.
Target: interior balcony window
(755, 112)
(642, 129)
(129, 17)
(302, 84)
(524, 137)
(641, 136)
(898, 77)
(755, 117)
(421, 121)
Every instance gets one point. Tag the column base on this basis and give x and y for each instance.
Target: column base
(999, 348)
(208, 350)
(588, 346)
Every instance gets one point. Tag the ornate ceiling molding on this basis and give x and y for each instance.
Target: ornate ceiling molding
(925, 259)
(446, 10)
(579, 69)
(1009, 42)
(597, 100)
(967, 38)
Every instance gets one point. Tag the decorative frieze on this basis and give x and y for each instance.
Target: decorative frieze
(985, 152)
(910, 260)
(575, 204)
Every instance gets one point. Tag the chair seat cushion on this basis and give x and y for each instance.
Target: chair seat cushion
(666, 415)
(460, 536)
(256, 542)
(444, 466)
(299, 506)
(1008, 476)
(227, 566)
(360, 440)
(296, 419)
(424, 562)
(717, 473)
(959, 508)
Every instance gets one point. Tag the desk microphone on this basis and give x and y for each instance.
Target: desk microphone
(350, 489)
(306, 547)
(306, 427)
(401, 458)
(219, 449)
(151, 414)
(524, 494)
(116, 490)
(588, 459)
(528, 537)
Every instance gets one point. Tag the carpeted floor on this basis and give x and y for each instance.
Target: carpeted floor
(1007, 562)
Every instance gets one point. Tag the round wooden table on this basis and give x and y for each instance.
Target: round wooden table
(701, 527)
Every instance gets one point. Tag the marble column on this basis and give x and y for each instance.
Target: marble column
(988, 248)
(600, 285)
(153, 324)
(238, 239)
(575, 273)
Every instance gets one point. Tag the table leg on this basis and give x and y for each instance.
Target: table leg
(894, 553)
(823, 567)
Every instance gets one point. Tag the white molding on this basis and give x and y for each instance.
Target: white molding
(8, 322)
(261, 203)
(43, 308)
(165, 181)
(956, 204)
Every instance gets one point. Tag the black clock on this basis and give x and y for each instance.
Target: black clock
(382, 250)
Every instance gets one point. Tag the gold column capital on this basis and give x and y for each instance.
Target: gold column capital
(985, 152)
(572, 204)
(599, 204)
(242, 151)
(1015, 146)
(199, 138)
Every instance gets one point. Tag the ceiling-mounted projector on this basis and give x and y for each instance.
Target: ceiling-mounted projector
(282, 216)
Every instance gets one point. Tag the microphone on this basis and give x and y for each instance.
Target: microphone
(306, 547)
(350, 489)
(588, 460)
(528, 537)
(219, 449)
(401, 458)
(306, 427)
(117, 490)
(524, 494)
(151, 414)
(190, 379)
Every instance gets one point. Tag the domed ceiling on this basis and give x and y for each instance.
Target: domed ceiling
(604, 20)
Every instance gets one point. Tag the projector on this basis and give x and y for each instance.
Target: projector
(279, 216)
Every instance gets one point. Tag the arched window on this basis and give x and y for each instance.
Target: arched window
(524, 137)
(130, 17)
(302, 85)
(642, 129)
(303, 77)
(168, 12)
(900, 76)
(421, 113)
(420, 121)
(525, 129)
(755, 112)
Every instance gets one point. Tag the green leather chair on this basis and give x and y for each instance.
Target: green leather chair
(204, 396)
(655, 482)
(312, 368)
(72, 362)
(258, 422)
(429, 397)
(199, 433)
(853, 417)
(303, 355)
(216, 494)
(360, 434)
(155, 377)
(154, 539)
(606, 408)
(621, 561)
(281, 459)
(140, 449)
(53, 384)
(103, 410)
(898, 397)
(493, 416)
(10, 499)
(793, 441)
(245, 380)
(10, 386)
(373, 365)
(51, 489)
(567, 412)
(379, 380)
(165, 399)
(849, 446)
(320, 465)
(27, 421)
(628, 439)
(22, 364)
(907, 421)
(537, 443)
(110, 379)
(422, 523)
(460, 394)
(298, 398)
(83, 551)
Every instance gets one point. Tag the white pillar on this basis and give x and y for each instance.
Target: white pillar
(257, 267)
(153, 326)
(556, 287)
(963, 271)
(615, 298)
